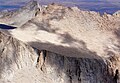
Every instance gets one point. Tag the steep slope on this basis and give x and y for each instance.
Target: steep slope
(73, 32)
(20, 63)
(69, 46)
(21, 16)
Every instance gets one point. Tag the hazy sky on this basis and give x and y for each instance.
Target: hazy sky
(21, 1)
(15, 2)
(109, 6)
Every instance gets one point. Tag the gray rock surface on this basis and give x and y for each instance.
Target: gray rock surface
(70, 31)
(20, 63)
(57, 44)
(19, 17)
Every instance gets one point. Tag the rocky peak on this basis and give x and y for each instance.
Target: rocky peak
(31, 5)
(22, 15)
(20, 62)
(59, 45)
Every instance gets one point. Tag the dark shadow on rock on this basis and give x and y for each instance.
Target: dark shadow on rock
(78, 70)
(117, 34)
(3, 26)
(44, 25)
(116, 77)
(67, 51)
(41, 26)
(79, 64)
(67, 38)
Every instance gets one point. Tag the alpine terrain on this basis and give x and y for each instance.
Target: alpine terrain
(58, 44)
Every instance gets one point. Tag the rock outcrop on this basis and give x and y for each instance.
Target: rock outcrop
(19, 17)
(58, 44)
(20, 63)
(70, 31)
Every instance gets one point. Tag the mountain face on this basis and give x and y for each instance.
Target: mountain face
(58, 44)
(27, 12)
(70, 31)
(20, 63)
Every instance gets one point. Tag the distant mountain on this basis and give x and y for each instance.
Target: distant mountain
(26, 12)
(109, 6)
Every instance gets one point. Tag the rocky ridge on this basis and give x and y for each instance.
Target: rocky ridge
(70, 31)
(26, 12)
(20, 63)
(59, 44)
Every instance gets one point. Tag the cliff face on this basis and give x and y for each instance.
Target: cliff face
(14, 56)
(20, 63)
(59, 44)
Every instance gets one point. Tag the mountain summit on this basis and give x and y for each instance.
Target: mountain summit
(58, 44)
(21, 16)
